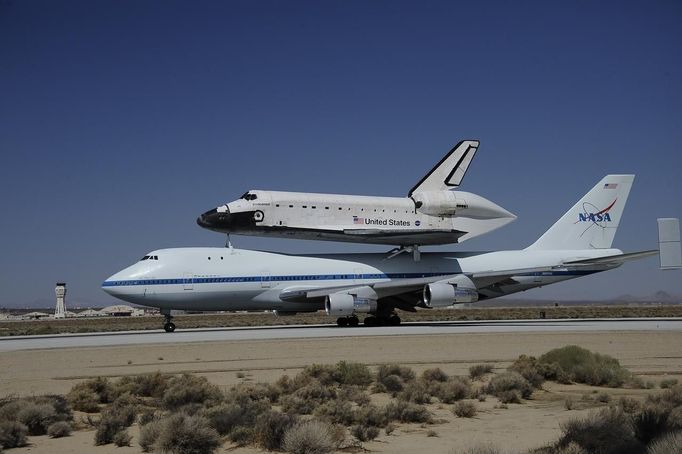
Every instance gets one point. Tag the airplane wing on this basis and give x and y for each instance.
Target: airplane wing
(406, 293)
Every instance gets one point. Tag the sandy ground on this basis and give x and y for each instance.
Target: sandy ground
(522, 426)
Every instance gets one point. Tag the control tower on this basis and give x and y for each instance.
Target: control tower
(60, 291)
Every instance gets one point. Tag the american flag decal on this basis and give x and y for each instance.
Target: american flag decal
(610, 186)
(357, 220)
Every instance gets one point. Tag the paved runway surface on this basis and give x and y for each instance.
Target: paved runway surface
(326, 331)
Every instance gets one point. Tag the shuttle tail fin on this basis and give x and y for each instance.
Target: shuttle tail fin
(449, 172)
(593, 220)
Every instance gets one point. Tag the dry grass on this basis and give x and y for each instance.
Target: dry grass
(26, 327)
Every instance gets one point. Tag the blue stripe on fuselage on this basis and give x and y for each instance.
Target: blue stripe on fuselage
(313, 277)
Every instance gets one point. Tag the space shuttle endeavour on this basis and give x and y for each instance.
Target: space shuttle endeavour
(433, 212)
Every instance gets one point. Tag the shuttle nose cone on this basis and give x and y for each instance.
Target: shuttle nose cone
(208, 219)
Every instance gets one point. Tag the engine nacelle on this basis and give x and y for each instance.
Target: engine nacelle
(457, 290)
(344, 305)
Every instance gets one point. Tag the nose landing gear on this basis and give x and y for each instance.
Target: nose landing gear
(169, 326)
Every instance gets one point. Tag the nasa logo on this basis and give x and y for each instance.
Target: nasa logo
(595, 217)
(417, 223)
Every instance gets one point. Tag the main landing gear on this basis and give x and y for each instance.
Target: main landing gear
(370, 320)
(348, 321)
(169, 326)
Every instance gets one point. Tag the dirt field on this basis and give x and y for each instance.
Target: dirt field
(653, 356)
(86, 325)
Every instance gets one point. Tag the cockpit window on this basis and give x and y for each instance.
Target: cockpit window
(249, 196)
(150, 257)
(146, 257)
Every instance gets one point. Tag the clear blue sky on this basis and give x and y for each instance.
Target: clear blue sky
(121, 121)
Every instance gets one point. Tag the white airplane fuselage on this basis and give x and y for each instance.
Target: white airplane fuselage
(227, 279)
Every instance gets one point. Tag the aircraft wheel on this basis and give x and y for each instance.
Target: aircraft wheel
(394, 320)
(169, 327)
(342, 321)
(353, 321)
(371, 321)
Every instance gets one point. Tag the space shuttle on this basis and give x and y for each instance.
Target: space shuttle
(433, 212)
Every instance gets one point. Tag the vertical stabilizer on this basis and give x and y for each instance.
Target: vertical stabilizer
(669, 243)
(592, 222)
(450, 171)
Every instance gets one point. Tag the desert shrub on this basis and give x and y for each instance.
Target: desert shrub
(510, 396)
(12, 434)
(143, 385)
(322, 373)
(270, 429)
(371, 415)
(668, 444)
(668, 383)
(628, 404)
(608, 431)
(675, 418)
(435, 374)
(353, 393)
(583, 366)
(84, 400)
(188, 389)
(244, 393)
(183, 434)
(651, 421)
(672, 396)
(109, 425)
(527, 366)
(479, 370)
(404, 373)
(364, 433)
(122, 438)
(149, 433)
(464, 409)
(415, 391)
(224, 417)
(36, 417)
(59, 429)
(241, 435)
(569, 403)
(509, 381)
(392, 384)
(603, 397)
(59, 403)
(316, 391)
(337, 411)
(147, 415)
(407, 412)
(390, 428)
(101, 387)
(309, 437)
(456, 388)
(349, 373)
(298, 406)
(378, 387)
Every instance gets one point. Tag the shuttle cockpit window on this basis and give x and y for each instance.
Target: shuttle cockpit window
(150, 257)
(249, 196)
(146, 257)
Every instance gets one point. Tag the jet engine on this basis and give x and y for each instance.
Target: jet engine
(344, 305)
(453, 291)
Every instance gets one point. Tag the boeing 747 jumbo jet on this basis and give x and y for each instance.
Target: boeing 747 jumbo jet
(430, 214)
(345, 285)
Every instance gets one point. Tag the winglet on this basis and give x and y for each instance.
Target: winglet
(449, 172)
(669, 243)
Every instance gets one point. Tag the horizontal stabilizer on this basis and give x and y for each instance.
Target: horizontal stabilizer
(609, 259)
(669, 243)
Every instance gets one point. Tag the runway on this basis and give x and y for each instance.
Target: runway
(104, 339)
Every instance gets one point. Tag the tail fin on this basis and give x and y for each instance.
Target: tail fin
(592, 222)
(449, 172)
